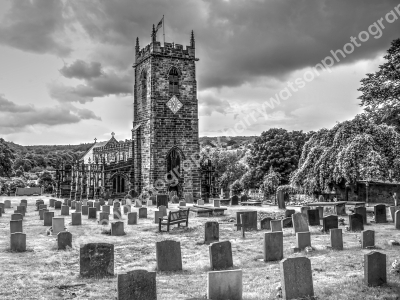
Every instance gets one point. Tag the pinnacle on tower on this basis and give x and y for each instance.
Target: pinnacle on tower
(192, 43)
(153, 34)
(137, 47)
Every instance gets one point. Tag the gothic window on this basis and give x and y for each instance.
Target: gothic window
(173, 81)
(144, 86)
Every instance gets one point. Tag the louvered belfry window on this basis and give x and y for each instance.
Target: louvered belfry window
(144, 86)
(173, 81)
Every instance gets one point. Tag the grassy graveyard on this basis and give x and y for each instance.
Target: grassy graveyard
(43, 272)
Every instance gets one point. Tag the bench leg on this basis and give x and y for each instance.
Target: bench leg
(159, 226)
(168, 227)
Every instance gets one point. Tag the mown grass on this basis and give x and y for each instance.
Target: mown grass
(43, 271)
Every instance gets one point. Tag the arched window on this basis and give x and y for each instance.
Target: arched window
(173, 81)
(144, 85)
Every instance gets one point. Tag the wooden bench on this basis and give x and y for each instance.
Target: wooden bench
(174, 217)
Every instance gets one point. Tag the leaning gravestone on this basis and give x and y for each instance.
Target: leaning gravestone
(211, 232)
(296, 278)
(300, 223)
(168, 256)
(97, 260)
(313, 217)
(234, 200)
(18, 242)
(64, 239)
(356, 222)
(223, 285)
(375, 269)
(336, 239)
(287, 223)
(380, 213)
(367, 238)
(361, 210)
(221, 255)
(266, 223)
(273, 246)
(329, 222)
(137, 284)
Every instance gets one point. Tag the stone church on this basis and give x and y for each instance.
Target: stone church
(163, 155)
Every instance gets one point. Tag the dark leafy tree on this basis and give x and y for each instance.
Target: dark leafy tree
(6, 159)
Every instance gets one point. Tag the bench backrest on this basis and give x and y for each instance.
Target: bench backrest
(178, 215)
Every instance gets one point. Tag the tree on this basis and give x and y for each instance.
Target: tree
(353, 150)
(277, 148)
(271, 182)
(6, 159)
(381, 90)
(47, 181)
(236, 187)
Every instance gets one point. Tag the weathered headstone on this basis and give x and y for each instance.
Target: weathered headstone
(48, 218)
(168, 256)
(320, 211)
(221, 255)
(106, 208)
(76, 219)
(397, 219)
(392, 210)
(162, 200)
(117, 228)
(304, 210)
(367, 238)
(137, 284)
(361, 210)
(356, 222)
(300, 223)
(287, 223)
(222, 285)
(375, 269)
(97, 260)
(340, 209)
(104, 218)
(200, 202)
(163, 209)
(234, 200)
(330, 222)
(7, 204)
(85, 203)
(57, 204)
(117, 215)
(91, 204)
(58, 225)
(243, 198)
(189, 198)
(18, 242)
(85, 210)
(78, 206)
(265, 223)
(138, 203)
(15, 226)
(110, 202)
(73, 204)
(289, 213)
(92, 213)
(303, 240)
(16, 217)
(97, 205)
(21, 209)
(336, 239)
(51, 202)
(64, 210)
(276, 225)
(380, 213)
(211, 232)
(157, 216)
(142, 213)
(182, 203)
(313, 217)
(251, 219)
(273, 246)
(149, 203)
(217, 203)
(281, 199)
(64, 239)
(24, 202)
(132, 218)
(296, 278)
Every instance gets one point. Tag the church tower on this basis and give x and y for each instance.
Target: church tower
(165, 130)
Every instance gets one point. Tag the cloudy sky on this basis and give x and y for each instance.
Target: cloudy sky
(66, 66)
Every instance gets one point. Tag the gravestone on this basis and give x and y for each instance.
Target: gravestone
(117, 213)
(91, 204)
(189, 198)
(97, 260)
(85, 210)
(243, 198)
(48, 218)
(273, 246)
(375, 269)
(117, 228)
(211, 232)
(142, 213)
(127, 209)
(138, 203)
(380, 213)
(304, 210)
(281, 199)
(116, 205)
(182, 203)
(361, 210)
(16, 217)
(123, 202)
(222, 285)
(69, 202)
(51, 202)
(41, 213)
(137, 284)
(106, 208)
(320, 211)
(340, 209)
(313, 217)
(276, 225)
(78, 206)
(7, 204)
(356, 222)
(132, 218)
(149, 203)
(25, 202)
(234, 200)
(57, 204)
(21, 209)
(97, 205)
(367, 238)
(329, 222)
(289, 213)
(104, 218)
(18, 242)
(110, 202)
(64, 210)
(200, 202)
(287, 223)
(397, 219)
(65, 202)
(162, 200)
(296, 278)
(221, 255)
(57, 225)
(168, 256)
(265, 223)
(157, 216)
(42, 206)
(163, 209)
(300, 223)
(85, 203)
(92, 213)
(15, 226)
(64, 239)
(102, 202)
(336, 239)
(303, 240)
(251, 219)
(153, 199)
(76, 219)
(73, 204)
(217, 203)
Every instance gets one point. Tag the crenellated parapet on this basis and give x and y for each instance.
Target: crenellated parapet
(170, 49)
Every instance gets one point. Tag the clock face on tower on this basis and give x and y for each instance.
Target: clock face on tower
(174, 104)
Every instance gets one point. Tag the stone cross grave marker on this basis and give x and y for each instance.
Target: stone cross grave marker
(168, 256)
(221, 255)
(296, 278)
(97, 260)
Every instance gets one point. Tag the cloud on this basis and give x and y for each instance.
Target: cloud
(210, 103)
(35, 26)
(15, 117)
(98, 83)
